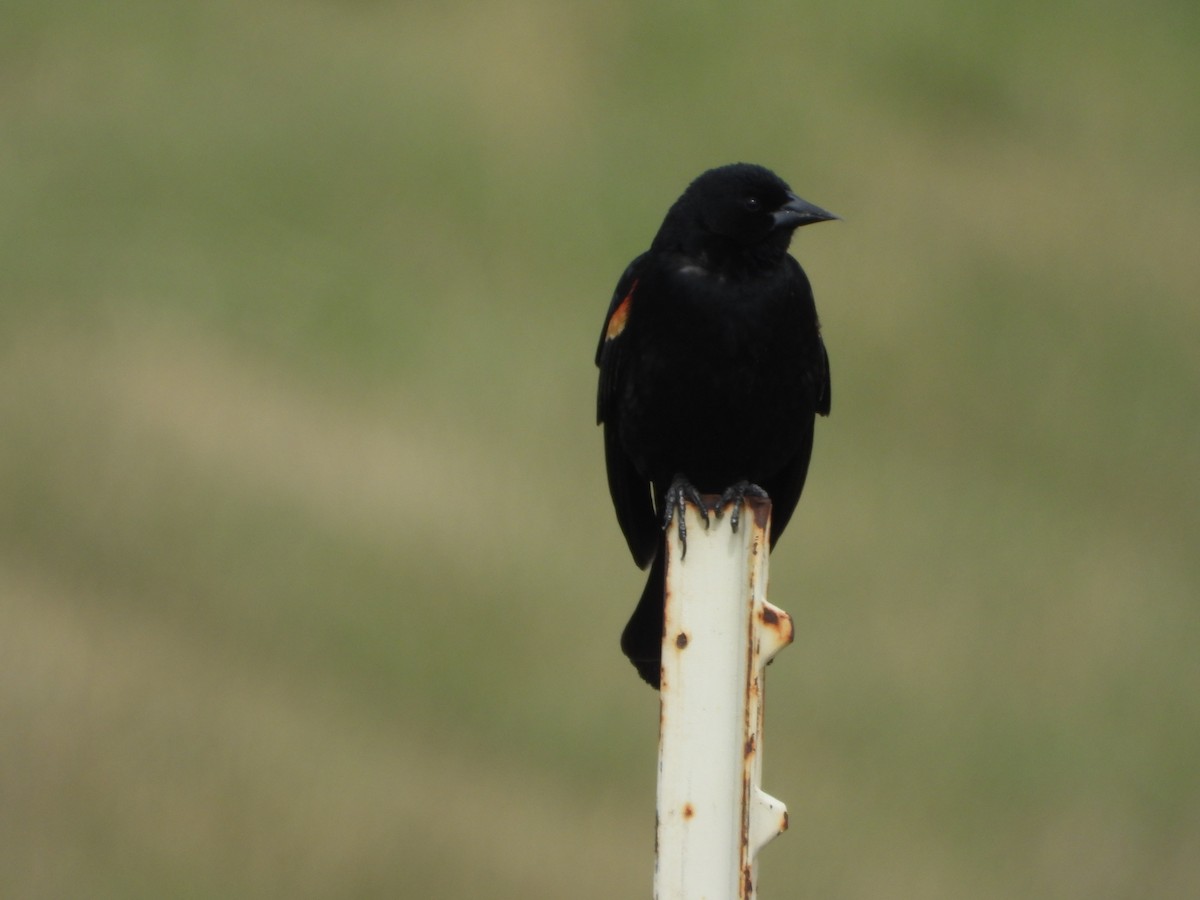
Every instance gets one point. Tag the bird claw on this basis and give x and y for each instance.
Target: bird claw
(678, 494)
(737, 494)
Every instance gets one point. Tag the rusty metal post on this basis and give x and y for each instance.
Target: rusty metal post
(719, 633)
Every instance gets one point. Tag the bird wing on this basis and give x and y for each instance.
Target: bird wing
(786, 487)
(824, 385)
(630, 491)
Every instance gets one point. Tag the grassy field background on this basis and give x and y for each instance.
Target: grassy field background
(309, 581)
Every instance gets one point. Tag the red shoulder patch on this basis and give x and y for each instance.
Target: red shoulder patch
(616, 322)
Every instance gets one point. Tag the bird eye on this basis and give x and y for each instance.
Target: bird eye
(752, 204)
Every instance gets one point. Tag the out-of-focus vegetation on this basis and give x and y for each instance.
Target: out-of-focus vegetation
(309, 581)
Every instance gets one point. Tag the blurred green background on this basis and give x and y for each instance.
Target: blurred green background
(310, 584)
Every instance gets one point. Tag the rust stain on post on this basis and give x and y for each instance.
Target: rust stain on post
(777, 623)
(761, 509)
(749, 749)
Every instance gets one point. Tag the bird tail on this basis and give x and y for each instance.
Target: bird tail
(642, 638)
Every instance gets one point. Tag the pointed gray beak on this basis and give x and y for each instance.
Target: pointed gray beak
(797, 212)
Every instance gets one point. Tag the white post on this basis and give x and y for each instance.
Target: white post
(719, 633)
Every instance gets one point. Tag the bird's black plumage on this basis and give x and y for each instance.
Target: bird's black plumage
(712, 369)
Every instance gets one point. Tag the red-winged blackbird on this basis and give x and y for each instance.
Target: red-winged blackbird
(712, 371)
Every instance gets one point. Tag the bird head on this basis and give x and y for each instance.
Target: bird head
(737, 214)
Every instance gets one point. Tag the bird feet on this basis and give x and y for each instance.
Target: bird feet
(678, 495)
(737, 494)
(682, 491)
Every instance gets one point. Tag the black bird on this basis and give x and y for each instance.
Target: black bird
(712, 371)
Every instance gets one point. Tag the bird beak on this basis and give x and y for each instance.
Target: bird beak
(797, 212)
